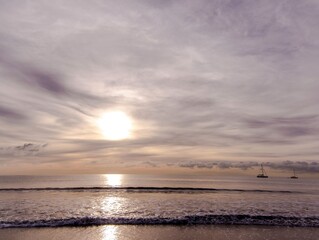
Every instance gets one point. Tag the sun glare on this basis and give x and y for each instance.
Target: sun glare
(113, 180)
(115, 125)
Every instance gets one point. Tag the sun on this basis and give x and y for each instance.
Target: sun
(115, 125)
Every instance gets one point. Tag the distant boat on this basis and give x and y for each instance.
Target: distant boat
(262, 173)
(294, 176)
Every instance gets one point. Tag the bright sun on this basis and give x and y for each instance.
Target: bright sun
(115, 125)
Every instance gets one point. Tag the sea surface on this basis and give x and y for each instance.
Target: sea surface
(112, 199)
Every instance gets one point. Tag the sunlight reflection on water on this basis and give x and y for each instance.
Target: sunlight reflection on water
(111, 204)
(113, 180)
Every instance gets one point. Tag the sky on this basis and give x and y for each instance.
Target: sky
(211, 86)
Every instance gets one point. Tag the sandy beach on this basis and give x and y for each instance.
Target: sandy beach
(199, 232)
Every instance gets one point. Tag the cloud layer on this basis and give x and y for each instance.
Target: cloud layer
(202, 80)
(304, 167)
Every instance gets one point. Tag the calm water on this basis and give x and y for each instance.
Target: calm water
(84, 200)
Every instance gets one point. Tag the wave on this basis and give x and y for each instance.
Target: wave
(187, 220)
(145, 189)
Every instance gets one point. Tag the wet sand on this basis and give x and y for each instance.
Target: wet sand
(198, 232)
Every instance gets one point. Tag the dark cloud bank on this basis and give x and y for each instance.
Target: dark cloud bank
(300, 166)
(23, 150)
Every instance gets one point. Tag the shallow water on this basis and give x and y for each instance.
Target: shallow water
(198, 232)
(31, 201)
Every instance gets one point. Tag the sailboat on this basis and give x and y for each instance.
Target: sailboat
(263, 173)
(294, 176)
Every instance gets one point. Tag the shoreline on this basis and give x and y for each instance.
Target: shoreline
(161, 232)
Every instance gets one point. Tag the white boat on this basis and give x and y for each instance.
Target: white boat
(294, 176)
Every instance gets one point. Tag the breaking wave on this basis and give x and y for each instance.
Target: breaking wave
(187, 220)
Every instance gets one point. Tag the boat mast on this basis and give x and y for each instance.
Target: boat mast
(263, 171)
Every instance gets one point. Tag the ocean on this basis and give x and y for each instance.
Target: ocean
(115, 199)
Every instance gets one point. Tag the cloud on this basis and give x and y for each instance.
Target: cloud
(31, 76)
(287, 126)
(236, 80)
(27, 149)
(300, 166)
(11, 114)
(219, 164)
